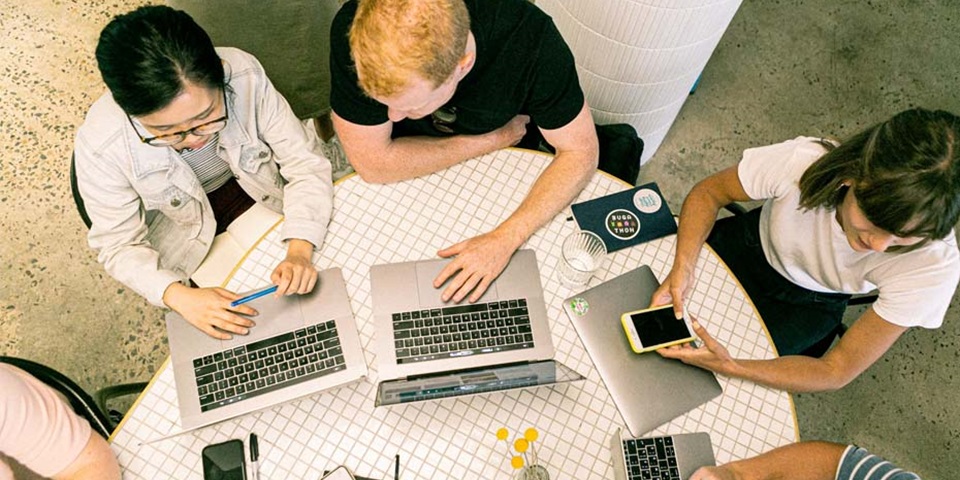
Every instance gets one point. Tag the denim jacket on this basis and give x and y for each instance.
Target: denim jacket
(152, 222)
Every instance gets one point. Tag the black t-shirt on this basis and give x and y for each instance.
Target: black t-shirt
(523, 66)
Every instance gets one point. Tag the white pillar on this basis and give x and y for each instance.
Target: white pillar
(638, 59)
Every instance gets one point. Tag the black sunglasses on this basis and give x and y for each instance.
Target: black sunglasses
(443, 118)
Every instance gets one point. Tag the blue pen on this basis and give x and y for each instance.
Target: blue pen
(254, 296)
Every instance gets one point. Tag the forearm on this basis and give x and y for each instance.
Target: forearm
(297, 247)
(412, 157)
(799, 461)
(558, 185)
(794, 373)
(865, 341)
(697, 217)
(138, 267)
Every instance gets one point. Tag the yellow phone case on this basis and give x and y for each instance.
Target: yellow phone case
(625, 322)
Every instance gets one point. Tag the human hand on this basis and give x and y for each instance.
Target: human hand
(209, 309)
(674, 289)
(296, 273)
(711, 356)
(714, 473)
(511, 133)
(479, 261)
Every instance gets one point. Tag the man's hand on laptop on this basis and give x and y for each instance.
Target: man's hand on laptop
(479, 261)
(711, 356)
(209, 309)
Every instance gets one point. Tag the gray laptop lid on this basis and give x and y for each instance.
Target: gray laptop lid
(327, 303)
(474, 381)
(649, 390)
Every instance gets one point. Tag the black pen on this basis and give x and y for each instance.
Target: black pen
(254, 457)
(396, 467)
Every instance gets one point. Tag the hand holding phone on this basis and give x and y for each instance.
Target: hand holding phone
(655, 328)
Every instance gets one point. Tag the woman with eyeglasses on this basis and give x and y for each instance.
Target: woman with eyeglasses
(187, 139)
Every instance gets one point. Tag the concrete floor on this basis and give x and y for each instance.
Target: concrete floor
(783, 69)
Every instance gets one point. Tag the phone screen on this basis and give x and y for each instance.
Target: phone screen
(224, 461)
(656, 327)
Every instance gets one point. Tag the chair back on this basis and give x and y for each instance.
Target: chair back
(77, 199)
(79, 399)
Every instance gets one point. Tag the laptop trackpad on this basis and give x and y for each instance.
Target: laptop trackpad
(430, 297)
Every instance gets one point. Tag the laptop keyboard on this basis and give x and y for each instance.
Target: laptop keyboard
(650, 459)
(266, 365)
(462, 330)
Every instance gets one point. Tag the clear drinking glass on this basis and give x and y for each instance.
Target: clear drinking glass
(581, 256)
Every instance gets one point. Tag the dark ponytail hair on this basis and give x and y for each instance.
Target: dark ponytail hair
(905, 173)
(146, 55)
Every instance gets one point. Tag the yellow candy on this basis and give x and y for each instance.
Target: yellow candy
(531, 434)
(517, 462)
(521, 445)
(502, 434)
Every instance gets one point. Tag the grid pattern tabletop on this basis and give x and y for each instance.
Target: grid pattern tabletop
(455, 438)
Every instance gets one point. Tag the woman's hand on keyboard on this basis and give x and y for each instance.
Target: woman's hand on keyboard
(209, 310)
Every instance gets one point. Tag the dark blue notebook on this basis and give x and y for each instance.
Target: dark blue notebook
(627, 218)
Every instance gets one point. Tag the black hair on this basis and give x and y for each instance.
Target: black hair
(146, 55)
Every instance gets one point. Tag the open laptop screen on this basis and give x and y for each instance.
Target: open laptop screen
(474, 381)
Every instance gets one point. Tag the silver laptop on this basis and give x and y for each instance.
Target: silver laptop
(301, 345)
(649, 390)
(673, 457)
(423, 344)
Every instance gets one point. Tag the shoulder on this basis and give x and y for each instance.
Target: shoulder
(340, 34)
(513, 19)
(15, 387)
(939, 255)
(340, 27)
(104, 122)
(856, 459)
(801, 149)
(786, 160)
(344, 17)
(505, 9)
(916, 287)
(238, 62)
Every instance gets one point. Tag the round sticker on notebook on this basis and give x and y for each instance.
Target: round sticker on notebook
(579, 306)
(622, 224)
(647, 200)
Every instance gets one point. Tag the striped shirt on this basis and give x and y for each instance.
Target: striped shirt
(210, 169)
(859, 464)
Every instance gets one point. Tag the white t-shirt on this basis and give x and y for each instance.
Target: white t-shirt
(37, 427)
(809, 248)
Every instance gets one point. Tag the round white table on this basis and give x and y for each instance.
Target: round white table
(455, 438)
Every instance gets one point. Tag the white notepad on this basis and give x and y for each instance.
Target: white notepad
(230, 246)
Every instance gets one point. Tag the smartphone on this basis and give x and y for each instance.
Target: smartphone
(654, 328)
(224, 461)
